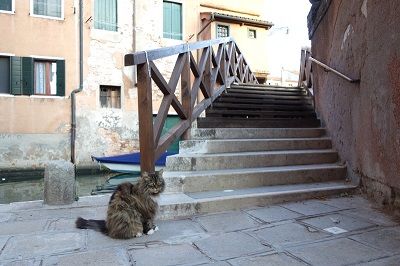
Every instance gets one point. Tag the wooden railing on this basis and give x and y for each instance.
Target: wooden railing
(211, 74)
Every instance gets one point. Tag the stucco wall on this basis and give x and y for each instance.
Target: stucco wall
(107, 131)
(360, 38)
(35, 129)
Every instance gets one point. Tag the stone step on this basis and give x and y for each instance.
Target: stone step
(247, 145)
(175, 205)
(266, 96)
(266, 87)
(259, 101)
(260, 91)
(195, 181)
(198, 162)
(273, 107)
(234, 122)
(214, 112)
(255, 133)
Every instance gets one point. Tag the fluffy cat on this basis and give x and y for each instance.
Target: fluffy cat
(131, 209)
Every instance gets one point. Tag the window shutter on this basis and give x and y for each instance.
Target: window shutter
(27, 75)
(167, 20)
(176, 22)
(16, 75)
(60, 77)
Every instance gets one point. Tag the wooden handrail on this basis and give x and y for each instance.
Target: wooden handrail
(211, 75)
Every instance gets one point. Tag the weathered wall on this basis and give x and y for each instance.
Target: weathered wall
(360, 38)
(107, 131)
(35, 129)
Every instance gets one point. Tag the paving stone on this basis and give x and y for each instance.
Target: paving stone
(171, 232)
(347, 202)
(338, 220)
(216, 263)
(5, 217)
(21, 263)
(267, 260)
(230, 245)
(96, 258)
(387, 239)
(225, 222)
(391, 261)
(22, 227)
(167, 255)
(273, 214)
(30, 246)
(311, 207)
(288, 234)
(372, 215)
(44, 214)
(3, 241)
(62, 224)
(335, 252)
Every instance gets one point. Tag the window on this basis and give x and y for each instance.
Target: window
(6, 5)
(29, 76)
(252, 34)
(4, 74)
(48, 8)
(45, 78)
(172, 16)
(110, 96)
(105, 15)
(222, 31)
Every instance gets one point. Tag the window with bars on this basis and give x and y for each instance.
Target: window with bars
(252, 34)
(110, 96)
(48, 8)
(105, 15)
(6, 5)
(172, 20)
(222, 31)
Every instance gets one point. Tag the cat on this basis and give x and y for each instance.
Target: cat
(131, 209)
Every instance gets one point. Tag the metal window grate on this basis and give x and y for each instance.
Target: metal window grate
(222, 31)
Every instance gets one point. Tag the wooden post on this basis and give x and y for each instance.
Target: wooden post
(207, 72)
(186, 92)
(145, 104)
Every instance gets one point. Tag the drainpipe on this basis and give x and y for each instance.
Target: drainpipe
(79, 89)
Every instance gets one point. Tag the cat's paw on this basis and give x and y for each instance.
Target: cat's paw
(155, 228)
(150, 232)
(138, 234)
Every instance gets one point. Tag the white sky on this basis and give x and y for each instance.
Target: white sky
(284, 49)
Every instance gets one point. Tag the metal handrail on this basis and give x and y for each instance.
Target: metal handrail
(328, 68)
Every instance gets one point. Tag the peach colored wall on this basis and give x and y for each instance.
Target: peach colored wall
(25, 35)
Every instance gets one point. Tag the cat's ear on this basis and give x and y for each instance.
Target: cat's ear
(145, 175)
(160, 173)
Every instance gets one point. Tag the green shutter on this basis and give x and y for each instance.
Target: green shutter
(27, 75)
(167, 29)
(176, 21)
(60, 77)
(16, 75)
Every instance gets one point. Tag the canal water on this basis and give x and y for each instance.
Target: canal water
(92, 184)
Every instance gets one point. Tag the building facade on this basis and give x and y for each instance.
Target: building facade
(39, 63)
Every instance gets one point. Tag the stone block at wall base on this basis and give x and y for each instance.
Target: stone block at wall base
(59, 183)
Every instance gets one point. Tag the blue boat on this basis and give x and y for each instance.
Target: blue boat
(129, 163)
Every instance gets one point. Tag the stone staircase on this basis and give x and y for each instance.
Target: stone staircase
(257, 145)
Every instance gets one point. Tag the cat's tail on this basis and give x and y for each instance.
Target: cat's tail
(97, 225)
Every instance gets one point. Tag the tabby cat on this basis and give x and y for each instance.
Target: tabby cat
(131, 209)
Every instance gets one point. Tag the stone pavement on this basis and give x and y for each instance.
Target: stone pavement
(334, 231)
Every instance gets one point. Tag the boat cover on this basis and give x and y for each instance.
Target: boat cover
(131, 158)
